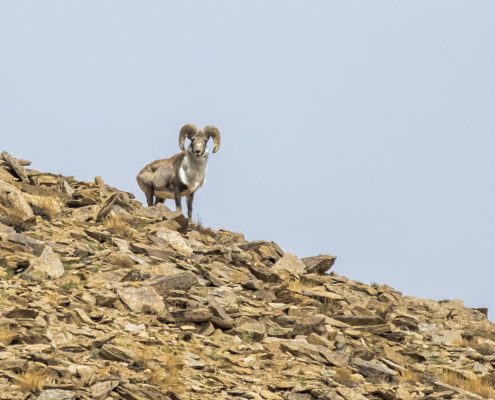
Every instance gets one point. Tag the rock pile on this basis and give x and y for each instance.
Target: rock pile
(101, 298)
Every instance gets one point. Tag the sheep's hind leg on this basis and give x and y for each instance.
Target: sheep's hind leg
(149, 196)
(147, 188)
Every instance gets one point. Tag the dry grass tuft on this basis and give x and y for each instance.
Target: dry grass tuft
(298, 285)
(53, 298)
(33, 380)
(344, 377)
(410, 376)
(120, 260)
(167, 375)
(7, 336)
(472, 383)
(118, 226)
(204, 231)
(69, 282)
(331, 307)
(163, 367)
(3, 296)
(459, 342)
(49, 207)
(143, 356)
(111, 371)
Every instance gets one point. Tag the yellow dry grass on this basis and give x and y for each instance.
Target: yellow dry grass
(47, 206)
(459, 342)
(331, 307)
(409, 376)
(7, 335)
(344, 376)
(69, 282)
(3, 296)
(118, 226)
(120, 260)
(471, 383)
(162, 366)
(204, 231)
(239, 276)
(53, 298)
(298, 285)
(112, 371)
(143, 356)
(33, 380)
(166, 375)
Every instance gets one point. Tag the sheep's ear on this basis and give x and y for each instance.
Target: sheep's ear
(213, 132)
(188, 130)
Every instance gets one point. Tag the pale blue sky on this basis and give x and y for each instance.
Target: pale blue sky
(364, 129)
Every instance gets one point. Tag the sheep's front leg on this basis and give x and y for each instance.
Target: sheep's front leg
(178, 205)
(190, 199)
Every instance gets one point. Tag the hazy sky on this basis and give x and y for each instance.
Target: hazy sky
(364, 129)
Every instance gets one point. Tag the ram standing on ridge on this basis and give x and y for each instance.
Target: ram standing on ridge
(182, 174)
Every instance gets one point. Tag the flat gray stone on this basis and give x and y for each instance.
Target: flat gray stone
(56, 394)
(319, 264)
(46, 266)
(142, 299)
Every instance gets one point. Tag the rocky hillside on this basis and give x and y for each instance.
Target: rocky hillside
(102, 298)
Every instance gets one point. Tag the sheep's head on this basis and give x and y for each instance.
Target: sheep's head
(199, 138)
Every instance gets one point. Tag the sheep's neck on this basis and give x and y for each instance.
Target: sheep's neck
(192, 172)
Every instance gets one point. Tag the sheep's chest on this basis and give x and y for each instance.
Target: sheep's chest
(192, 172)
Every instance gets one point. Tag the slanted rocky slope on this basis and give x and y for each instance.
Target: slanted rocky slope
(102, 298)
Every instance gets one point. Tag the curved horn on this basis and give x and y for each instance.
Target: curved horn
(214, 133)
(188, 131)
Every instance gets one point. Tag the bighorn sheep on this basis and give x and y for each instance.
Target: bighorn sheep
(181, 174)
